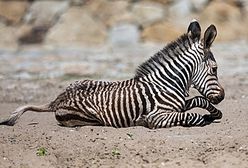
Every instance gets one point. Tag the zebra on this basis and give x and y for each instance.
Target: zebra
(156, 97)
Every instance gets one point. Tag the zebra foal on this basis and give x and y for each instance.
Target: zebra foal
(155, 97)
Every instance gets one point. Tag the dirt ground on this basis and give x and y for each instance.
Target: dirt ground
(223, 144)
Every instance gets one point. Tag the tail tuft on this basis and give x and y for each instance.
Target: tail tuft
(19, 111)
(8, 122)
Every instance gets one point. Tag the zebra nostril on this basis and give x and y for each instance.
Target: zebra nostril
(222, 93)
(220, 97)
(210, 97)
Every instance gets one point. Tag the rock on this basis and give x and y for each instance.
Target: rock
(32, 34)
(8, 36)
(198, 5)
(13, 11)
(221, 12)
(238, 3)
(124, 34)
(77, 26)
(147, 12)
(45, 12)
(244, 5)
(227, 18)
(77, 2)
(110, 12)
(164, 2)
(180, 12)
(161, 32)
(180, 8)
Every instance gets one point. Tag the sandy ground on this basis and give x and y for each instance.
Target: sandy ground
(223, 144)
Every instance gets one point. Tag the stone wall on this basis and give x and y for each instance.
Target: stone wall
(98, 22)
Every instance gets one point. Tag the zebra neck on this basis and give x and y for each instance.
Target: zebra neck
(167, 84)
(172, 67)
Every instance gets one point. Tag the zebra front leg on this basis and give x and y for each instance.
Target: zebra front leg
(202, 102)
(164, 119)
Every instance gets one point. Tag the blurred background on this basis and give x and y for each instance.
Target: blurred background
(108, 39)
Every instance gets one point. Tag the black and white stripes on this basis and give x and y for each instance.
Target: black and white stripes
(157, 93)
(156, 96)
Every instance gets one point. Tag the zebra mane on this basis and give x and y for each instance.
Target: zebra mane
(167, 53)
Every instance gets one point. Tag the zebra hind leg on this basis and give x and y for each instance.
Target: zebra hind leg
(71, 118)
(170, 119)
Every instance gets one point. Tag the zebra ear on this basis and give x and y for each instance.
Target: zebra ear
(194, 30)
(209, 36)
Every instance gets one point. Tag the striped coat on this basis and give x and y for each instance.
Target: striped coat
(155, 97)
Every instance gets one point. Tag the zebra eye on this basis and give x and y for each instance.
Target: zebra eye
(214, 70)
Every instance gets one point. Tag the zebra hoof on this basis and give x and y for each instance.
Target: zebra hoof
(208, 118)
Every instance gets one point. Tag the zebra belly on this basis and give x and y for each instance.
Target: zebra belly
(71, 119)
(120, 113)
(122, 121)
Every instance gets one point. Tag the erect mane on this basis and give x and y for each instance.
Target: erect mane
(167, 53)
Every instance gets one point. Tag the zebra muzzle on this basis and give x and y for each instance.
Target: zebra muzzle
(217, 98)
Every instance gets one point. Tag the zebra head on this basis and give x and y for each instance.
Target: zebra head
(205, 78)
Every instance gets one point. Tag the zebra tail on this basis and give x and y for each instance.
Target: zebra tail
(19, 111)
